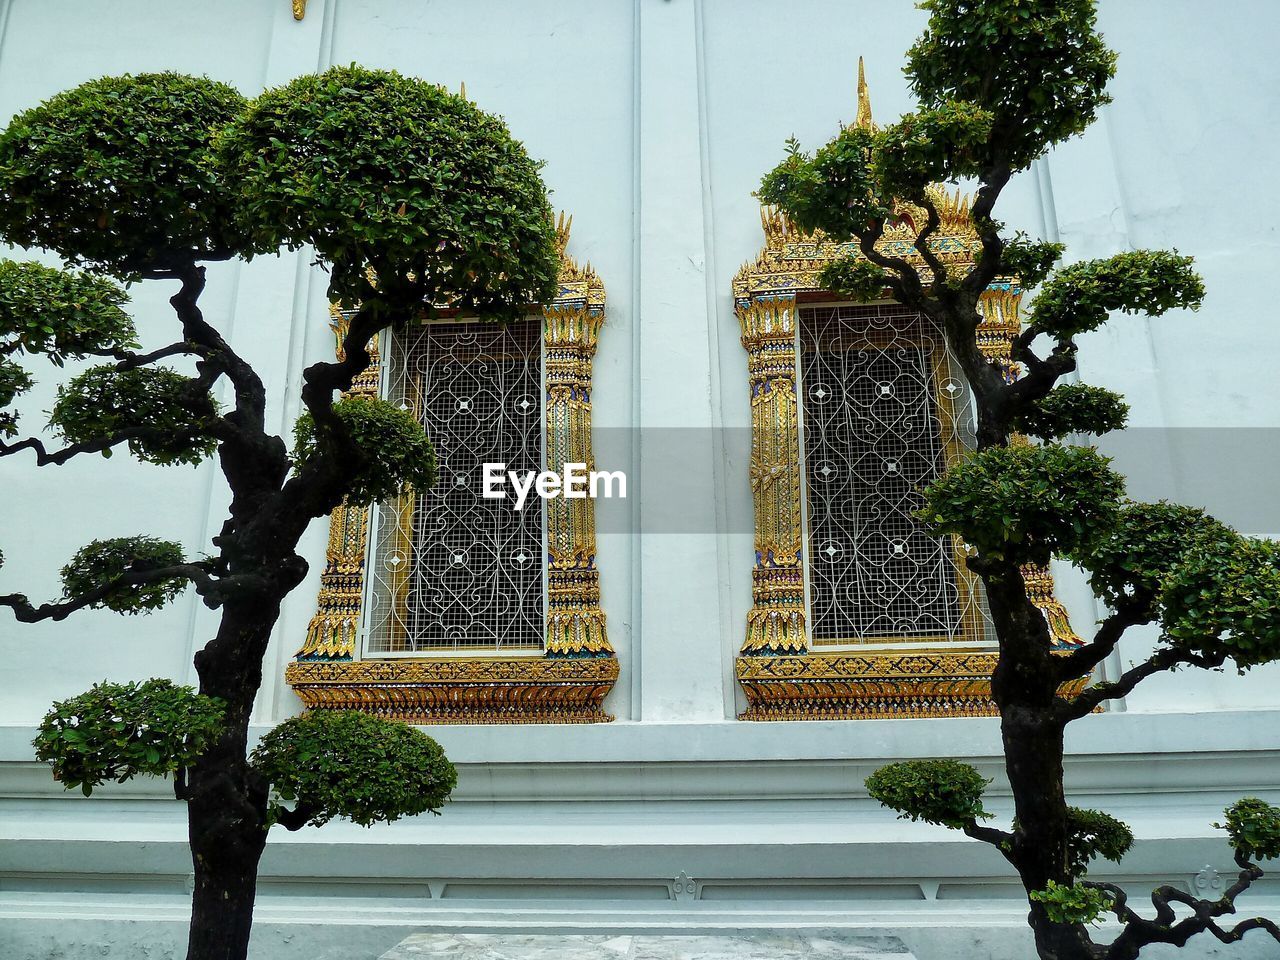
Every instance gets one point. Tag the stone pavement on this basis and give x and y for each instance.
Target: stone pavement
(765, 946)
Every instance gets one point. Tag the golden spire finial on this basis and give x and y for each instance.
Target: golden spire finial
(864, 101)
(563, 225)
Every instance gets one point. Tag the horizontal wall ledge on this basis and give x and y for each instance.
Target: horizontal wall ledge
(1216, 757)
(474, 847)
(973, 737)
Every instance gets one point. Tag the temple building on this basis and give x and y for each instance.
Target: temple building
(663, 700)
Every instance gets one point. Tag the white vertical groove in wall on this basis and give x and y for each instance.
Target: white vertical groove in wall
(637, 570)
(715, 285)
(295, 48)
(682, 668)
(6, 8)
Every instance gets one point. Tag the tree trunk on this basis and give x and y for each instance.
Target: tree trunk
(226, 798)
(222, 907)
(226, 817)
(1033, 753)
(1024, 689)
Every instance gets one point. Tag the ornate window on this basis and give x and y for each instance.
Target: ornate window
(443, 606)
(857, 611)
(883, 412)
(450, 571)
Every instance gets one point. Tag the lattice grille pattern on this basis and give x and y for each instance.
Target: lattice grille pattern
(883, 414)
(452, 570)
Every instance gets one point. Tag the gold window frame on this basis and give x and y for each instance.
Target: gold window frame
(568, 681)
(783, 679)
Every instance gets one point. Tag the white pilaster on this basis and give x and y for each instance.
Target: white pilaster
(680, 670)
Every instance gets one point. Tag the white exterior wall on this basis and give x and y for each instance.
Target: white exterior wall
(656, 119)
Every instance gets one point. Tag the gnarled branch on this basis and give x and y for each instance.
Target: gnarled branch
(211, 589)
(1140, 931)
(989, 262)
(298, 817)
(1081, 661)
(1162, 660)
(129, 360)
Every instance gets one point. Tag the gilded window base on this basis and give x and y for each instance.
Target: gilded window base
(782, 680)
(461, 689)
(569, 682)
(836, 686)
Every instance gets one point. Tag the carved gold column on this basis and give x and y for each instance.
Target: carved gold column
(331, 634)
(575, 622)
(776, 623)
(1000, 324)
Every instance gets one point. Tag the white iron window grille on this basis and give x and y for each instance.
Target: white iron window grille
(450, 570)
(883, 413)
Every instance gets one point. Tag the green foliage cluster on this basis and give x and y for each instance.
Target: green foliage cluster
(1073, 903)
(1225, 598)
(1254, 828)
(944, 792)
(1026, 503)
(378, 170)
(175, 413)
(853, 278)
(835, 190)
(13, 382)
(978, 111)
(1092, 833)
(935, 143)
(1077, 298)
(102, 561)
(1143, 546)
(1073, 408)
(998, 83)
(1030, 260)
(116, 731)
(1038, 67)
(338, 763)
(114, 174)
(396, 451)
(60, 313)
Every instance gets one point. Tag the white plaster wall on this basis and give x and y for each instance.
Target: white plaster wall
(656, 119)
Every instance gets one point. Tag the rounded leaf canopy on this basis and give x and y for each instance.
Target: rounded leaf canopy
(1074, 903)
(339, 763)
(115, 174)
(116, 731)
(834, 190)
(940, 143)
(60, 313)
(1038, 66)
(1073, 408)
(172, 412)
(944, 792)
(1092, 833)
(1026, 503)
(102, 561)
(1253, 826)
(1078, 297)
(1143, 547)
(396, 451)
(382, 171)
(1224, 598)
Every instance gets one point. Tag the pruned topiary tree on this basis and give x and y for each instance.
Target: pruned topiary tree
(999, 83)
(413, 199)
